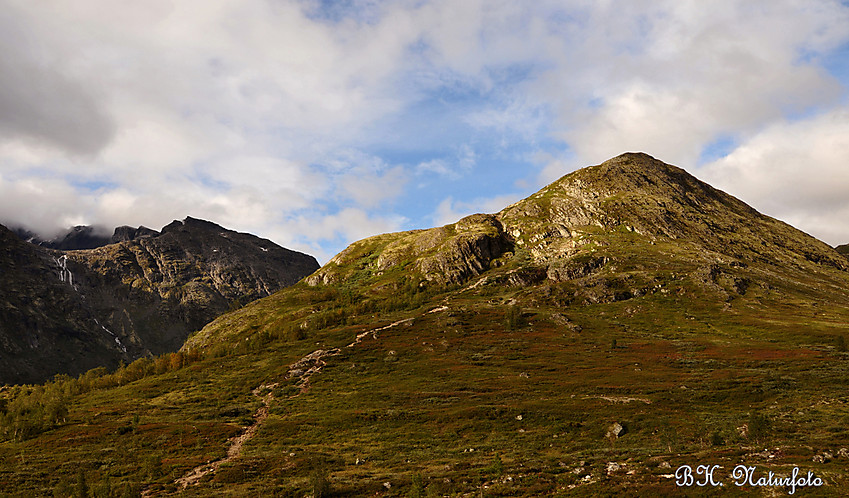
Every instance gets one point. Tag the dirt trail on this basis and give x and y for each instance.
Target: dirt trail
(235, 449)
(304, 368)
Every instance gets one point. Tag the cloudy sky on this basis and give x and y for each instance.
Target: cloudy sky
(315, 123)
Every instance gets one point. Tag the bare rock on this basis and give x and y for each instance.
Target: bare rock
(613, 467)
(616, 430)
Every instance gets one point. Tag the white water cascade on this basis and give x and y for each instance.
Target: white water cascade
(117, 341)
(65, 274)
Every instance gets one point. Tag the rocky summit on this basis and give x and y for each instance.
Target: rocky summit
(622, 323)
(578, 224)
(70, 311)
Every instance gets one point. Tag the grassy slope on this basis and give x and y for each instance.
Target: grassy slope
(417, 398)
(701, 358)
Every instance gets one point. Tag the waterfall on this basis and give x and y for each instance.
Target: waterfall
(117, 341)
(65, 274)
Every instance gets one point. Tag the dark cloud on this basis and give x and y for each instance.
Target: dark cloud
(40, 103)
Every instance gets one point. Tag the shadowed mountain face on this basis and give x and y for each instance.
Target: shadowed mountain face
(45, 328)
(623, 321)
(67, 312)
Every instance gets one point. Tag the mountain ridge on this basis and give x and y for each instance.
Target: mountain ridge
(633, 191)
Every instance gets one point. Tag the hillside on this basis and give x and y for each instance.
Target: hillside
(70, 311)
(588, 340)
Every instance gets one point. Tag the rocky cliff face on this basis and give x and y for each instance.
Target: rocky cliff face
(449, 254)
(125, 233)
(45, 325)
(68, 311)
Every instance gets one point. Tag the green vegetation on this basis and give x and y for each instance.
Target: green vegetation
(515, 319)
(759, 427)
(416, 399)
(26, 411)
(593, 369)
(319, 481)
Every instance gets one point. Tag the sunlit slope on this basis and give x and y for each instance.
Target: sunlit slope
(630, 227)
(588, 340)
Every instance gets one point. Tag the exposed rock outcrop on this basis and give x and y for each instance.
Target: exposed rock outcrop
(445, 255)
(636, 193)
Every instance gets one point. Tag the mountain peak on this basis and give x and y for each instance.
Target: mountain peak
(639, 193)
(584, 214)
(634, 172)
(189, 223)
(640, 159)
(124, 233)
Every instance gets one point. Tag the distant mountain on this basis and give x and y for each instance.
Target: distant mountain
(843, 249)
(69, 311)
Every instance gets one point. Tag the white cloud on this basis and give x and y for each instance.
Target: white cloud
(795, 171)
(450, 211)
(37, 204)
(371, 189)
(255, 114)
(462, 162)
(437, 166)
(349, 224)
(517, 118)
(218, 109)
(668, 78)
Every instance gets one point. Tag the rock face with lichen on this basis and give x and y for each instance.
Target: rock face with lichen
(69, 311)
(572, 228)
(445, 255)
(637, 193)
